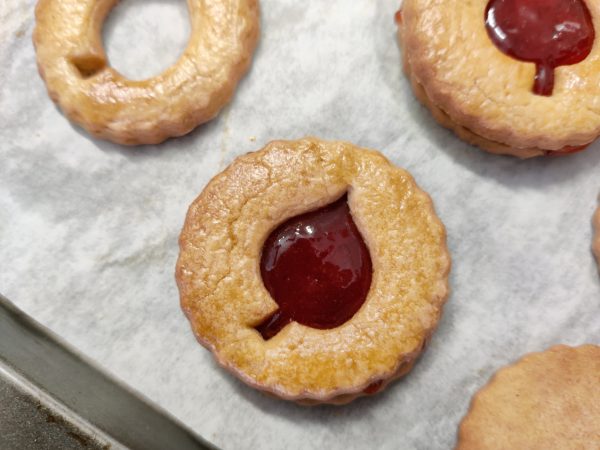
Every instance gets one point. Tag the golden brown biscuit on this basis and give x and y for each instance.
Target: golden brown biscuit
(547, 400)
(72, 61)
(484, 95)
(224, 297)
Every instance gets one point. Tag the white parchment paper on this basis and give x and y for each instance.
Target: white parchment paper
(88, 229)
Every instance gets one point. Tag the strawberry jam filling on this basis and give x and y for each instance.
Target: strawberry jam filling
(567, 150)
(548, 33)
(317, 268)
(398, 16)
(373, 388)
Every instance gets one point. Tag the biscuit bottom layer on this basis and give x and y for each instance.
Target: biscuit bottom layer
(473, 138)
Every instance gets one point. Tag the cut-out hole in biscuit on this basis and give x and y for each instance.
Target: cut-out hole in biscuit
(317, 268)
(548, 33)
(143, 39)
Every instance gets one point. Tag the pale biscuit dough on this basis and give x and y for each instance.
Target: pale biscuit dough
(73, 63)
(547, 400)
(223, 295)
(484, 95)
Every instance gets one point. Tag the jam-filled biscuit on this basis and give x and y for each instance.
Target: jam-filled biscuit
(517, 77)
(313, 270)
(548, 400)
(72, 62)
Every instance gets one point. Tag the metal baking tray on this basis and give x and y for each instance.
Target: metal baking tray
(53, 398)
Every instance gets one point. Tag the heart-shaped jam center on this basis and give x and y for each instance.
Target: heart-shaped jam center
(317, 268)
(549, 33)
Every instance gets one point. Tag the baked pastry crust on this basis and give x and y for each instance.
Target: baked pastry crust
(484, 95)
(224, 298)
(72, 62)
(546, 400)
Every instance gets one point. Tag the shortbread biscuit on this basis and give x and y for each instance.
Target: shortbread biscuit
(547, 400)
(484, 95)
(225, 298)
(72, 62)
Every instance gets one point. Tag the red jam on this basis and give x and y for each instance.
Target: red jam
(549, 33)
(374, 387)
(317, 268)
(398, 16)
(567, 150)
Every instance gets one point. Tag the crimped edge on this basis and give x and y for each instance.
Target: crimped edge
(405, 362)
(162, 129)
(474, 129)
(475, 400)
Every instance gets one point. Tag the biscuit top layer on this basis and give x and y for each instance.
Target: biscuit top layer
(222, 292)
(72, 61)
(489, 92)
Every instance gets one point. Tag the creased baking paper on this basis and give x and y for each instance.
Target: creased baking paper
(88, 229)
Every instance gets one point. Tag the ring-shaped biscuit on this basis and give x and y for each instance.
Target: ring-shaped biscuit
(223, 295)
(72, 61)
(486, 96)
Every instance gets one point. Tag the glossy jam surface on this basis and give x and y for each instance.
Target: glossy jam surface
(549, 33)
(374, 387)
(317, 268)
